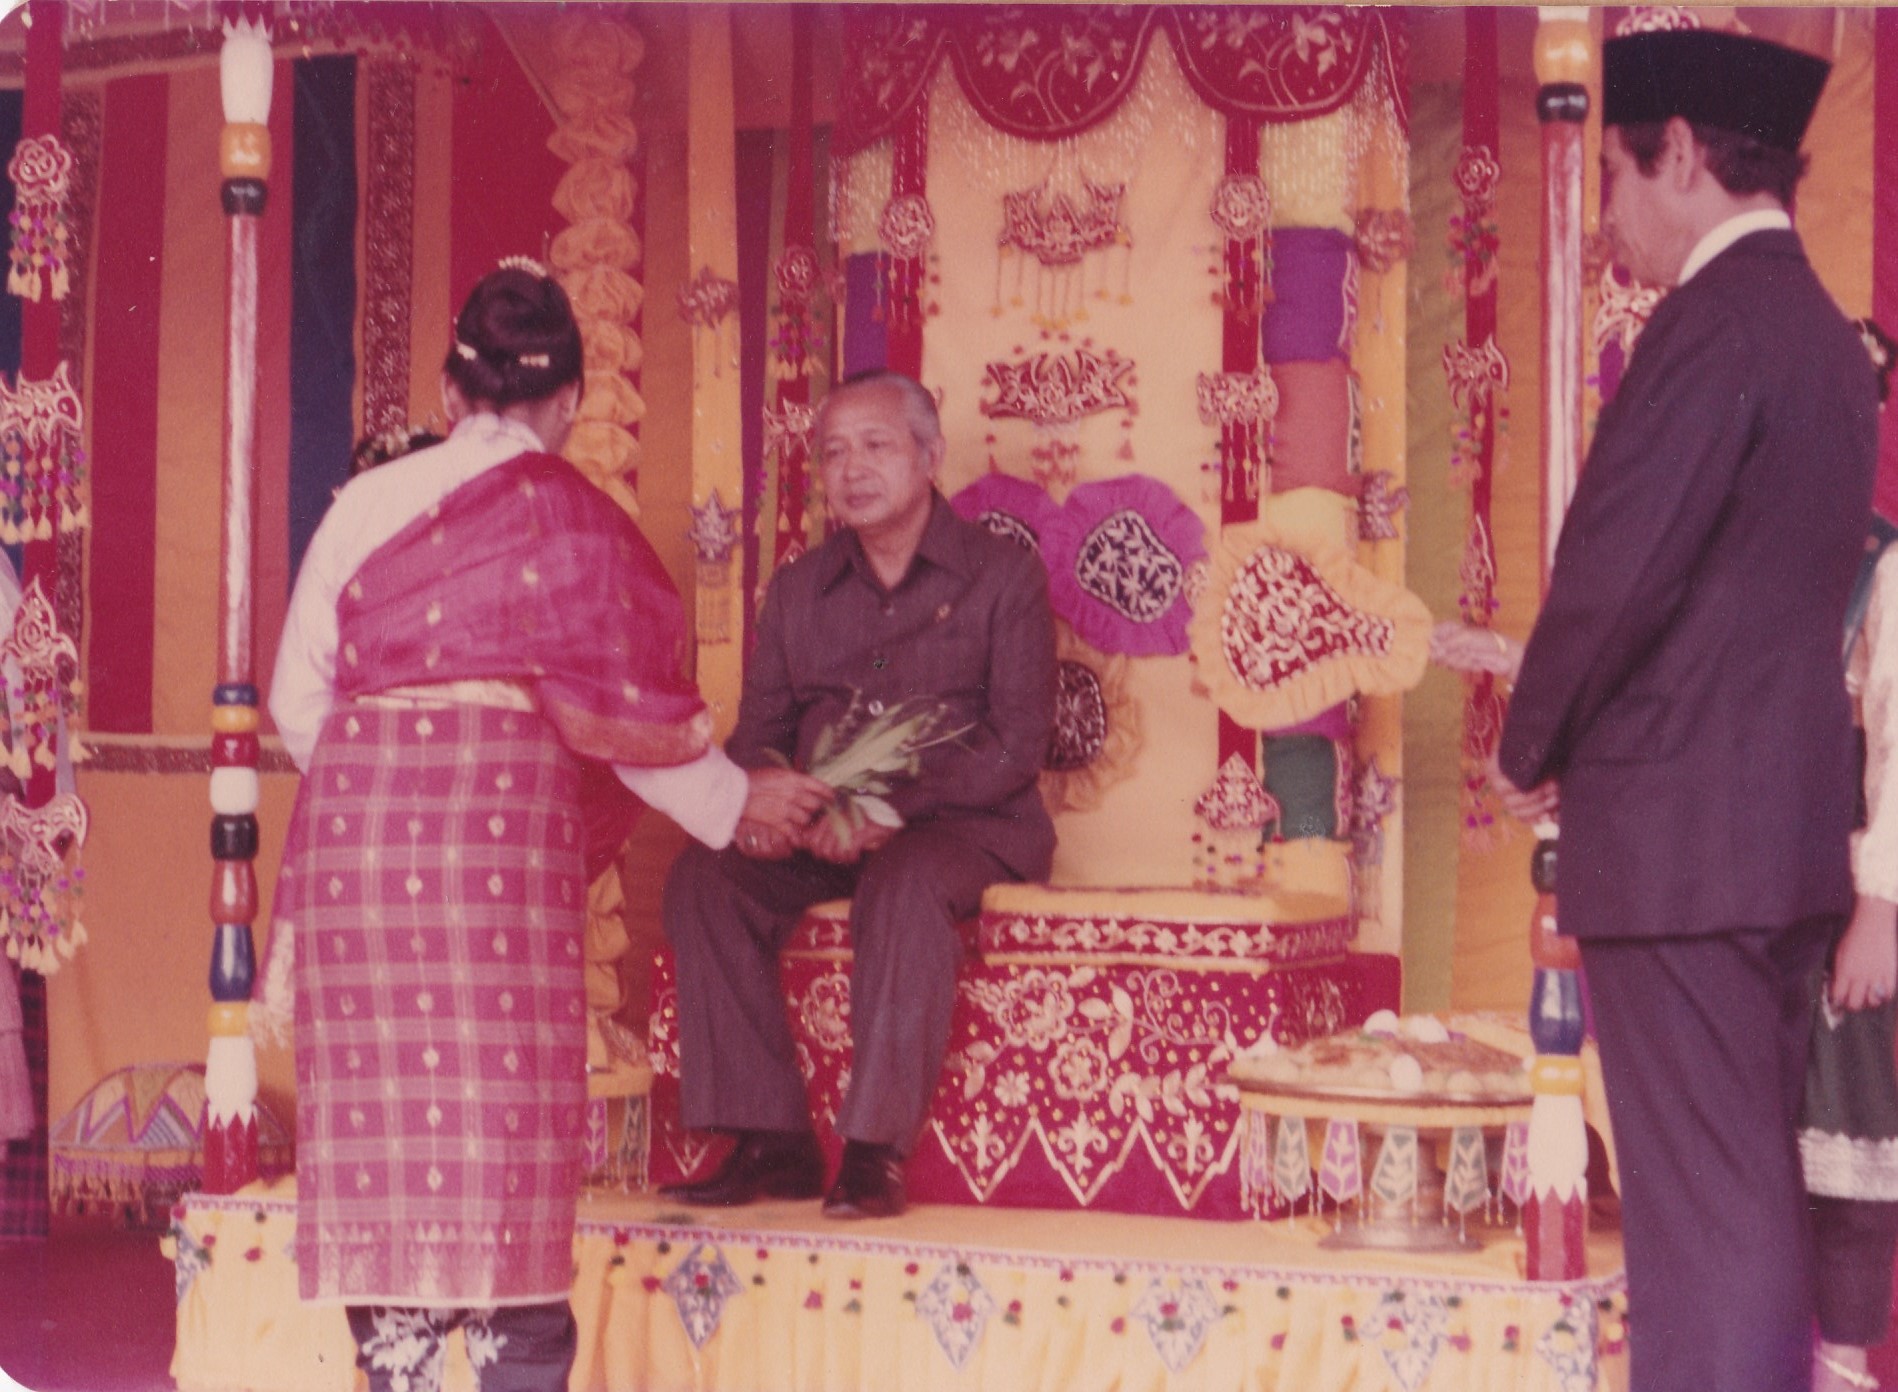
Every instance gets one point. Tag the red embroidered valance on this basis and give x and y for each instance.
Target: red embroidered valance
(1045, 72)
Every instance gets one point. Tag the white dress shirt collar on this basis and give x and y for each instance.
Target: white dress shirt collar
(1729, 232)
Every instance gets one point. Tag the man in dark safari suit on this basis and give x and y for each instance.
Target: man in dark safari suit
(1683, 688)
(905, 602)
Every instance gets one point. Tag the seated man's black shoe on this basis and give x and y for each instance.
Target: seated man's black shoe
(762, 1165)
(869, 1183)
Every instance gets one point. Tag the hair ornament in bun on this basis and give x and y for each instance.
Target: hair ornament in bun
(523, 263)
(465, 351)
(533, 359)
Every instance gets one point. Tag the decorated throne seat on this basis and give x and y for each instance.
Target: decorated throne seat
(1090, 1039)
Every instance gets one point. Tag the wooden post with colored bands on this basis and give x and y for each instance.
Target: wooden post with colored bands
(230, 1124)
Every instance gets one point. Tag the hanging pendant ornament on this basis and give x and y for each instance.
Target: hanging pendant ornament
(41, 171)
(1056, 391)
(41, 881)
(907, 228)
(705, 303)
(1239, 815)
(714, 537)
(42, 467)
(1060, 233)
(794, 340)
(46, 693)
(1242, 209)
(1243, 405)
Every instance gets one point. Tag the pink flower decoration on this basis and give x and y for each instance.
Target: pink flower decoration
(814, 1301)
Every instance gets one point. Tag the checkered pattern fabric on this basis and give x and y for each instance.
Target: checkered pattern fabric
(433, 879)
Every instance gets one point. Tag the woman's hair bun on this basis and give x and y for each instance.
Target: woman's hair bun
(515, 338)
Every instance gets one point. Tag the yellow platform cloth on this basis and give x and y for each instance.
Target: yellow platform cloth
(953, 1298)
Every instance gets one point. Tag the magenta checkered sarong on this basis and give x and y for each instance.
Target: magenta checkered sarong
(433, 879)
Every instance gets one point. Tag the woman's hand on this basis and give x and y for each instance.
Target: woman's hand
(1467, 648)
(1865, 966)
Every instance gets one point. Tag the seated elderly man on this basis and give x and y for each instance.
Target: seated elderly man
(910, 609)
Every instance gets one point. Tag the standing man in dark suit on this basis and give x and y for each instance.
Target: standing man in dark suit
(1683, 688)
(906, 602)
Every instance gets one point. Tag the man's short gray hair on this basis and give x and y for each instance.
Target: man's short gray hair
(919, 405)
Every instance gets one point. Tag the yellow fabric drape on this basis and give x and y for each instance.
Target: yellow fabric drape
(717, 460)
(1043, 1305)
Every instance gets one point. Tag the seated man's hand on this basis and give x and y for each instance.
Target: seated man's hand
(784, 800)
(1543, 800)
(843, 836)
(761, 841)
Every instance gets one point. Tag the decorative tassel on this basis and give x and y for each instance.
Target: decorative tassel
(41, 171)
(43, 487)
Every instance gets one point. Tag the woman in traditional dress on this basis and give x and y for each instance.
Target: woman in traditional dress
(1848, 1140)
(476, 631)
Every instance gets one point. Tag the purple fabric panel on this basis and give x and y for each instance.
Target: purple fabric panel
(866, 341)
(1314, 287)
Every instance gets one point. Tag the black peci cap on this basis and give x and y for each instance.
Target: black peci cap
(1712, 78)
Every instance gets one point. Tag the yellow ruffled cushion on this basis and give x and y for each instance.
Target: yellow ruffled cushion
(1289, 626)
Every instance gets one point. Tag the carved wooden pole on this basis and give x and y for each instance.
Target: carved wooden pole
(1556, 1214)
(230, 1129)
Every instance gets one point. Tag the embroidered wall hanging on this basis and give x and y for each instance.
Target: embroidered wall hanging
(41, 881)
(42, 685)
(1008, 506)
(1120, 554)
(1097, 731)
(41, 243)
(1059, 70)
(44, 487)
(1243, 405)
(1288, 628)
(1056, 391)
(1238, 816)
(1060, 233)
